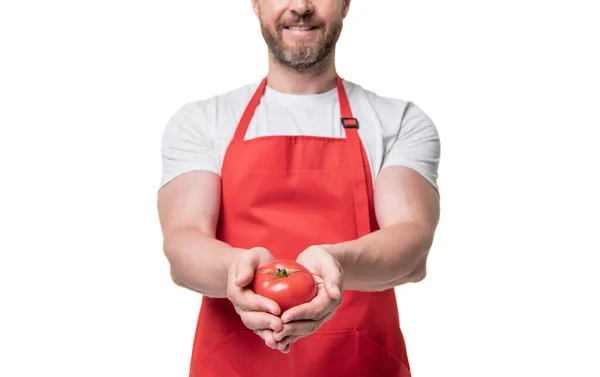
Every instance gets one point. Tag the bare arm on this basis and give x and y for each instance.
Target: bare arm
(407, 209)
(188, 208)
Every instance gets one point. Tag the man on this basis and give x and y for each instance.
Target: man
(306, 166)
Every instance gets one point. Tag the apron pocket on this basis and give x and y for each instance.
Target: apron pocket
(336, 353)
(239, 354)
(367, 344)
(344, 353)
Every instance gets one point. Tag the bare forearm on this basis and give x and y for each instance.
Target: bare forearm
(199, 262)
(384, 259)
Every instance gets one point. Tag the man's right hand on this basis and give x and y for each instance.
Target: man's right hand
(258, 313)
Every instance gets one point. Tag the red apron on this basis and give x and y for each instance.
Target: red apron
(286, 193)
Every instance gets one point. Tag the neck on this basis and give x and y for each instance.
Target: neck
(317, 79)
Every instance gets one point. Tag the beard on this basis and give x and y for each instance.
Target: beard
(304, 54)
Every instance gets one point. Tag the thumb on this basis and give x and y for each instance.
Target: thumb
(244, 274)
(247, 268)
(333, 280)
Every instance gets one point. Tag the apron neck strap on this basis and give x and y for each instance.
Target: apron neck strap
(242, 127)
(347, 120)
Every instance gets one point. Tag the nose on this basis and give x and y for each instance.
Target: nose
(301, 7)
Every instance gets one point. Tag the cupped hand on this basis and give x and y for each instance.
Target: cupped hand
(258, 313)
(305, 319)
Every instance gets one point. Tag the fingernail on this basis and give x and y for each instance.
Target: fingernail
(272, 326)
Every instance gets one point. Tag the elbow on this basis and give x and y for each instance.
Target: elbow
(175, 276)
(418, 275)
(419, 271)
(176, 280)
(180, 276)
(414, 276)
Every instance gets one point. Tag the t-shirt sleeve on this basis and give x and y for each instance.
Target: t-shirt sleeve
(417, 145)
(188, 143)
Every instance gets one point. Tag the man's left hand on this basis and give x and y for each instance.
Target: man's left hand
(306, 319)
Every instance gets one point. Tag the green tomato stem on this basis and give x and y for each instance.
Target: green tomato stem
(282, 273)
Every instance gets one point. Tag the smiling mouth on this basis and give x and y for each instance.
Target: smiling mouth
(300, 28)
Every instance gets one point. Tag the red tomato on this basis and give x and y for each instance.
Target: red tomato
(286, 282)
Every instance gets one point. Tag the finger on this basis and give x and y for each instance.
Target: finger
(299, 328)
(244, 272)
(330, 271)
(267, 336)
(315, 310)
(247, 301)
(261, 321)
(254, 259)
(284, 346)
(264, 256)
(333, 290)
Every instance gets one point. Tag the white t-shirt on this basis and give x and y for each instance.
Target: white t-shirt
(393, 131)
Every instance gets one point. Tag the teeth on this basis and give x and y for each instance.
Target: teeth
(299, 28)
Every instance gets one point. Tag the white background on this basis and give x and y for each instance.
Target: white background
(86, 89)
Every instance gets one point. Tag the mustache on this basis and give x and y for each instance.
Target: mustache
(300, 20)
